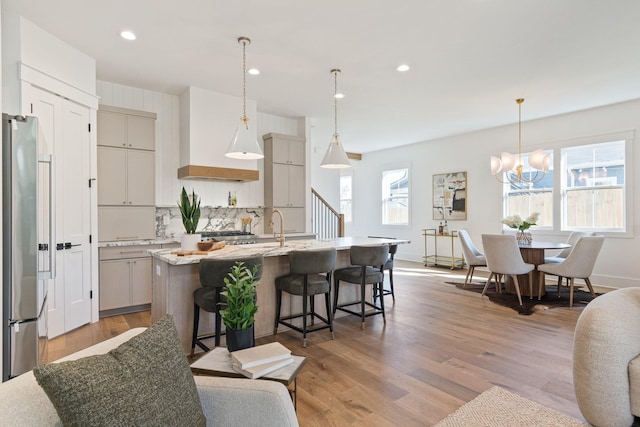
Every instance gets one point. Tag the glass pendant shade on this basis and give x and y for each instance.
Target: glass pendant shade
(244, 145)
(335, 157)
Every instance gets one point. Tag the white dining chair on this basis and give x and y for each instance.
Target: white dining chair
(504, 259)
(578, 265)
(571, 240)
(472, 256)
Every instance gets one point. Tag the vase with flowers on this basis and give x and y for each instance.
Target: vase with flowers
(522, 225)
(189, 205)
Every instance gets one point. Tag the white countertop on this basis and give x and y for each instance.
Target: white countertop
(272, 248)
(119, 243)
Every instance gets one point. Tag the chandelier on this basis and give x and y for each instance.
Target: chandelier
(244, 145)
(510, 169)
(335, 157)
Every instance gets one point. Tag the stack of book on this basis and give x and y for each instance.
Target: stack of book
(257, 361)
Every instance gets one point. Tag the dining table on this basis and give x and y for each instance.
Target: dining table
(532, 253)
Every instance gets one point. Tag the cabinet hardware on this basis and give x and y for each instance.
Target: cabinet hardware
(43, 246)
(59, 246)
(68, 245)
(131, 252)
(126, 238)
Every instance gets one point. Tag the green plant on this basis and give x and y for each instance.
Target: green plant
(239, 306)
(189, 205)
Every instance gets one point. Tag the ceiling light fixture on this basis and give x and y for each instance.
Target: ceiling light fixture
(402, 68)
(508, 169)
(244, 145)
(128, 35)
(253, 71)
(335, 157)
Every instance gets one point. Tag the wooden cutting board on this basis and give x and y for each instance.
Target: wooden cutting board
(216, 246)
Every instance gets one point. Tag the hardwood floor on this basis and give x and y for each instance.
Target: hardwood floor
(440, 347)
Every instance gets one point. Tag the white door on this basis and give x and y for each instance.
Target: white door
(64, 133)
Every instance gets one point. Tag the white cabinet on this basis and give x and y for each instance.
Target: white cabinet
(126, 174)
(284, 180)
(125, 177)
(125, 279)
(124, 128)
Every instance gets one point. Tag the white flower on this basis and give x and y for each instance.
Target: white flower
(515, 221)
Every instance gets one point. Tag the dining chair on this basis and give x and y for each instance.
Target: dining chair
(367, 268)
(571, 240)
(578, 265)
(310, 275)
(472, 256)
(504, 259)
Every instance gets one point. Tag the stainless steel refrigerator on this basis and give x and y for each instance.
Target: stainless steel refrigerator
(27, 252)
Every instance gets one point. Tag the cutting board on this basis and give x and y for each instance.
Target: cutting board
(216, 246)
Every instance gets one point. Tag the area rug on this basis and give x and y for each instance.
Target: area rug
(530, 306)
(499, 407)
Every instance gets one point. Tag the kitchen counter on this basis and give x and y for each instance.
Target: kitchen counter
(176, 277)
(119, 243)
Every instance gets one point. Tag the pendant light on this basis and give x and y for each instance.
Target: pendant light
(509, 169)
(244, 145)
(335, 157)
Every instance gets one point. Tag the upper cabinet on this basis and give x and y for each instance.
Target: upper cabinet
(124, 128)
(126, 174)
(284, 179)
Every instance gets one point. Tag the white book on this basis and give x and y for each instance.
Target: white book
(260, 355)
(255, 372)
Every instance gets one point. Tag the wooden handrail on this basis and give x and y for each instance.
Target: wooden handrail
(324, 202)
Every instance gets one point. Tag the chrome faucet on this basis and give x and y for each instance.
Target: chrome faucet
(281, 238)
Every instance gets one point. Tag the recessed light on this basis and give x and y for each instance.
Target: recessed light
(128, 35)
(253, 71)
(402, 68)
(339, 95)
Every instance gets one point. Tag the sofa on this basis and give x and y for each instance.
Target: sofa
(225, 401)
(606, 359)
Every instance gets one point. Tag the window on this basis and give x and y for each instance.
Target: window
(593, 187)
(524, 198)
(346, 190)
(395, 197)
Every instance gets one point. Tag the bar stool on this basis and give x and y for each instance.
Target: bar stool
(207, 297)
(367, 269)
(388, 266)
(307, 281)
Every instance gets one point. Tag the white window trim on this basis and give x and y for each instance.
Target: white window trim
(390, 167)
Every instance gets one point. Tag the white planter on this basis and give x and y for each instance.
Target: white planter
(189, 242)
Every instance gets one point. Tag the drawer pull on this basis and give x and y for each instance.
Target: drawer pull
(127, 238)
(131, 252)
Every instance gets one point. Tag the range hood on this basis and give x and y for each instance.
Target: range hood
(208, 121)
(212, 172)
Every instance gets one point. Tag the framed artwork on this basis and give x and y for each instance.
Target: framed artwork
(450, 196)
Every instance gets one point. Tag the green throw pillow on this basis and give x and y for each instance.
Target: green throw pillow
(144, 382)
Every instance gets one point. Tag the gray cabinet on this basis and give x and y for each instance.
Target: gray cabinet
(285, 180)
(125, 279)
(126, 174)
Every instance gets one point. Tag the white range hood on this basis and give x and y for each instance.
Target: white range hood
(208, 121)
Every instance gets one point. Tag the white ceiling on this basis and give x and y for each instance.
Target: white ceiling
(470, 59)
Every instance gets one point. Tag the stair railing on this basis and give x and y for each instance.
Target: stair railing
(326, 222)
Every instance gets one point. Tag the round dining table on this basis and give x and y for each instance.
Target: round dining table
(533, 253)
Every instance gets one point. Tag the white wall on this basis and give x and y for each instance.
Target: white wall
(616, 265)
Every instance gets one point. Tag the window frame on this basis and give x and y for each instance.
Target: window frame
(349, 175)
(391, 168)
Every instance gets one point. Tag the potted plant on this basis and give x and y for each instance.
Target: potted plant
(239, 306)
(189, 205)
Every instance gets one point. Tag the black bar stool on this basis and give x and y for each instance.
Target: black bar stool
(388, 266)
(212, 274)
(306, 279)
(367, 269)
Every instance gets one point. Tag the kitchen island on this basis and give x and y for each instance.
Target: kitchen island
(176, 277)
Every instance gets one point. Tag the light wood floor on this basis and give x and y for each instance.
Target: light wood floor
(440, 347)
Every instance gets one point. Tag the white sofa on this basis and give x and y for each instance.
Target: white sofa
(225, 401)
(606, 359)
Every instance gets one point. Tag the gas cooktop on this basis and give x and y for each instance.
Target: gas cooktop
(231, 237)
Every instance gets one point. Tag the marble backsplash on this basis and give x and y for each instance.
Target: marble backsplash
(169, 220)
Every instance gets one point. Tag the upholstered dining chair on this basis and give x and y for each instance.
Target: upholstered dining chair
(212, 273)
(578, 265)
(504, 259)
(367, 268)
(310, 275)
(472, 256)
(571, 240)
